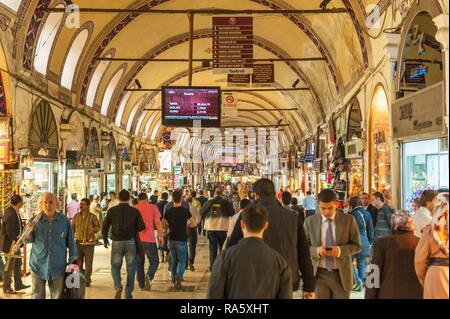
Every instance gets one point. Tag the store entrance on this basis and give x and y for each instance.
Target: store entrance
(425, 165)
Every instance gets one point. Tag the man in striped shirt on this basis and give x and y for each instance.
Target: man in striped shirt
(86, 225)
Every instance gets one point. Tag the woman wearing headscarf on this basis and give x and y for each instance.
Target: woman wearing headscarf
(392, 273)
(431, 260)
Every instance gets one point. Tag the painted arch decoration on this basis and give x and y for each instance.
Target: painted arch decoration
(108, 31)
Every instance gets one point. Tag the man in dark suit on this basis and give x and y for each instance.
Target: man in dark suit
(285, 234)
(11, 229)
(333, 239)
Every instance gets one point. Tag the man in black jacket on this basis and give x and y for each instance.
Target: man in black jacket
(162, 203)
(285, 234)
(126, 222)
(367, 205)
(201, 198)
(11, 229)
(216, 212)
(251, 269)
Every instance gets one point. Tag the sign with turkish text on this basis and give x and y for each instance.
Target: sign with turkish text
(238, 80)
(413, 116)
(263, 75)
(232, 45)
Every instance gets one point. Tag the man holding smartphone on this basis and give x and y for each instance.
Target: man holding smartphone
(333, 239)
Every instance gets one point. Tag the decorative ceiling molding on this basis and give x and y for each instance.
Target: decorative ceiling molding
(300, 23)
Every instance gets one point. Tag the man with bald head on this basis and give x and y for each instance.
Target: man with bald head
(216, 213)
(51, 238)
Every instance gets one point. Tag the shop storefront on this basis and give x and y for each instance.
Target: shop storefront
(110, 170)
(76, 182)
(424, 165)
(77, 160)
(126, 174)
(380, 146)
(424, 144)
(338, 170)
(39, 163)
(94, 175)
(80, 166)
(354, 149)
(418, 113)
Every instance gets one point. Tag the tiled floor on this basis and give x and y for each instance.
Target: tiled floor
(195, 283)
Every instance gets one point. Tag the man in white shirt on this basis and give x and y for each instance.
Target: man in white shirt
(114, 201)
(423, 216)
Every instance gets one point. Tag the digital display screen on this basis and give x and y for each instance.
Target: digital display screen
(183, 105)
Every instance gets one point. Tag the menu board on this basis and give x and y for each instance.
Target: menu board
(232, 45)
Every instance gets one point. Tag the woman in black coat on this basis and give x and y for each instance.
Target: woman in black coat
(392, 274)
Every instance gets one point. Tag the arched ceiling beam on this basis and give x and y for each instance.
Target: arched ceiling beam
(283, 114)
(197, 70)
(124, 19)
(271, 121)
(202, 34)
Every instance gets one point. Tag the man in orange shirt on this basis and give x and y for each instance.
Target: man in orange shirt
(150, 215)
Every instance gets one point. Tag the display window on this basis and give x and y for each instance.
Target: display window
(76, 182)
(126, 182)
(94, 185)
(37, 179)
(356, 184)
(381, 145)
(110, 183)
(424, 165)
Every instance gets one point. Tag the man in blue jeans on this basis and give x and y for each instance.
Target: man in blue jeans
(126, 222)
(177, 219)
(309, 204)
(216, 212)
(51, 238)
(152, 218)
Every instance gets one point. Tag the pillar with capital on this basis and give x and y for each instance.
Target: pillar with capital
(391, 48)
(441, 22)
(66, 131)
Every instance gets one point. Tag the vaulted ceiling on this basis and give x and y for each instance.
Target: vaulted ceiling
(69, 56)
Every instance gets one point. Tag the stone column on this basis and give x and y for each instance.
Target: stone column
(392, 50)
(66, 131)
(441, 22)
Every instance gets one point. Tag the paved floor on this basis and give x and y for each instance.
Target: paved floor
(195, 282)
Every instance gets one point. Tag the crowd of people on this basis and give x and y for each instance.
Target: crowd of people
(262, 243)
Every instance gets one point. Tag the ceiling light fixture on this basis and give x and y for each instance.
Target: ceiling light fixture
(324, 3)
(43, 151)
(138, 84)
